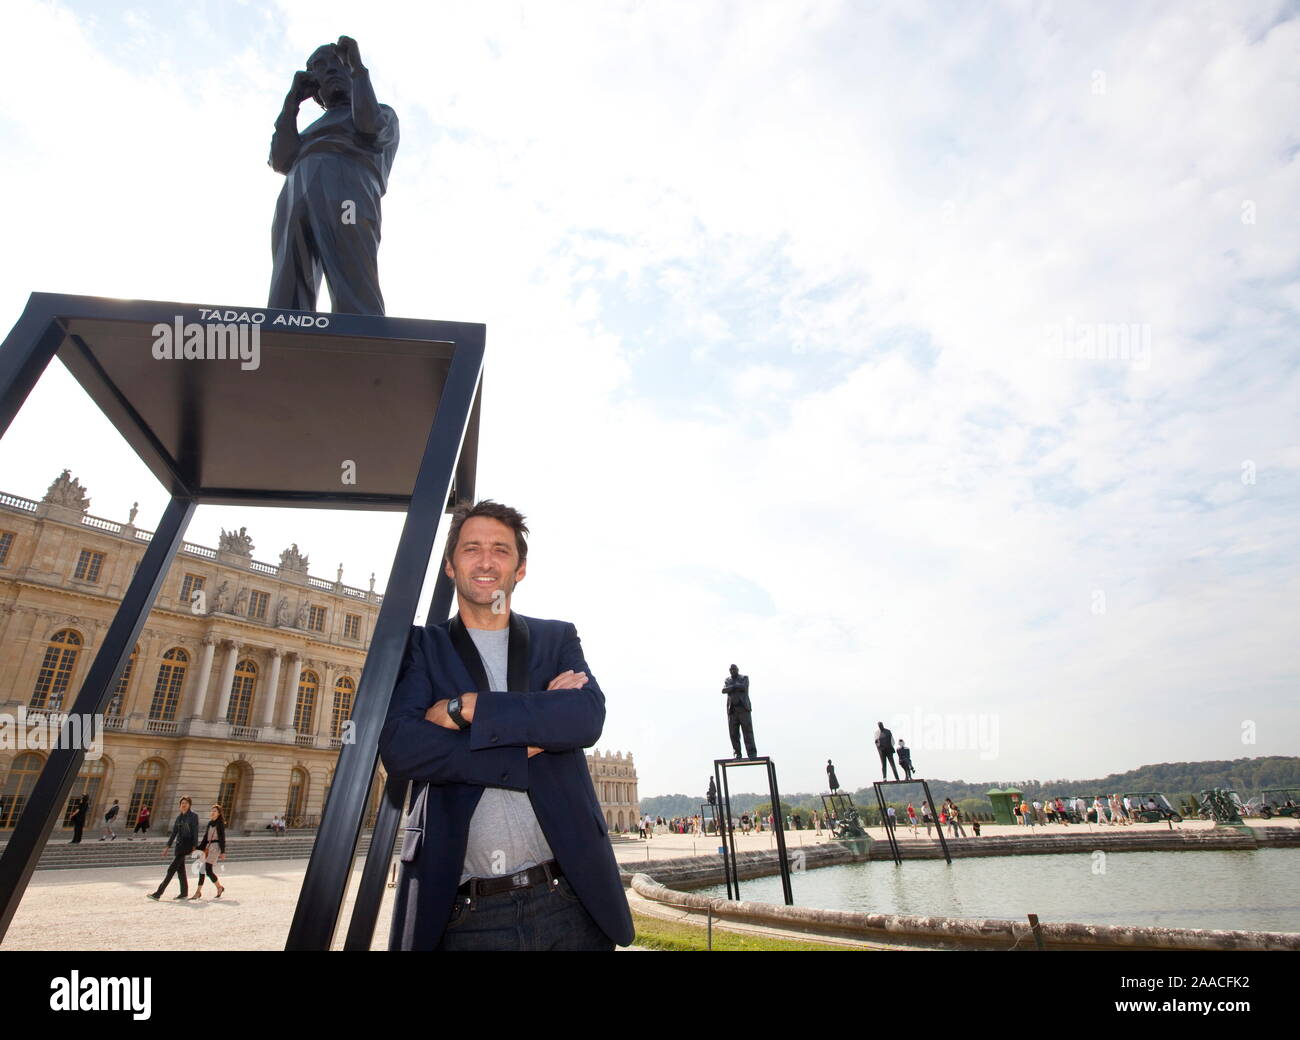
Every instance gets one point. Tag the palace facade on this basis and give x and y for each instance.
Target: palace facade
(238, 692)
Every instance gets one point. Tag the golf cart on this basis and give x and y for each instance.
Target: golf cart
(1280, 801)
(1151, 807)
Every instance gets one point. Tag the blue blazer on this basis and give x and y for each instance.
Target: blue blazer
(450, 768)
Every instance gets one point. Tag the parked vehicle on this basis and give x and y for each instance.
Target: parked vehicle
(1280, 801)
(1152, 807)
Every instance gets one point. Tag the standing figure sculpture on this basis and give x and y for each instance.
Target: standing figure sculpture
(885, 746)
(831, 778)
(905, 759)
(328, 214)
(739, 711)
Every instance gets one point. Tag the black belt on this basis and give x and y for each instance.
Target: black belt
(548, 873)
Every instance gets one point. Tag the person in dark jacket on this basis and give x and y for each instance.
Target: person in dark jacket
(213, 847)
(109, 817)
(185, 835)
(79, 816)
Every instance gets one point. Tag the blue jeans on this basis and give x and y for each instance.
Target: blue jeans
(544, 917)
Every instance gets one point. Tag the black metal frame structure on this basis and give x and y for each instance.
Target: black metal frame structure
(416, 385)
(884, 816)
(711, 816)
(730, 867)
(833, 805)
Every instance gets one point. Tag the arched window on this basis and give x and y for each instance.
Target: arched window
(123, 684)
(304, 712)
(228, 794)
(293, 811)
(148, 778)
(56, 670)
(89, 781)
(167, 690)
(344, 691)
(241, 695)
(18, 786)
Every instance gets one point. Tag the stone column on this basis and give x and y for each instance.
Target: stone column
(290, 704)
(227, 678)
(197, 693)
(325, 702)
(272, 689)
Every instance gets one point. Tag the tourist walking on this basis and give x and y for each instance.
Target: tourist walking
(79, 819)
(184, 835)
(1100, 810)
(954, 818)
(911, 818)
(926, 817)
(109, 817)
(141, 824)
(213, 847)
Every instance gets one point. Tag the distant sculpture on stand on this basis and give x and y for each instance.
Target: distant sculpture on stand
(336, 171)
(739, 712)
(831, 778)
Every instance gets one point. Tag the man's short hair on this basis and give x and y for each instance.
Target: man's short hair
(512, 518)
(187, 798)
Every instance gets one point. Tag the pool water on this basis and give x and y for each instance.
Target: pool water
(1257, 890)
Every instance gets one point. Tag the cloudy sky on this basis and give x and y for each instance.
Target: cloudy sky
(935, 364)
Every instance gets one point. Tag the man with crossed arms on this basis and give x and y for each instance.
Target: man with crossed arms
(506, 846)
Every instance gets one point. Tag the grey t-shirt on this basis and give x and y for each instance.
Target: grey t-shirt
(504, 835)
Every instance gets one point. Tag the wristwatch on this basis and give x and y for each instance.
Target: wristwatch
(453, 709)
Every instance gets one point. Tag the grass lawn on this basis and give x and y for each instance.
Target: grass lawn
(655, 934)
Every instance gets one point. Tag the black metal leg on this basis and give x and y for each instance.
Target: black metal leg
(929, 800)
(326, 880)
(728, 835)
(884, 819)
(61, 768)
(780, 833)
(24, 355)
(370, 892)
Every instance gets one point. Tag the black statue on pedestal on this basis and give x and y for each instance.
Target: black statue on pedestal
(832, 779)
(739, 711)
(713, 791)
(327, 217)
(885, 746)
